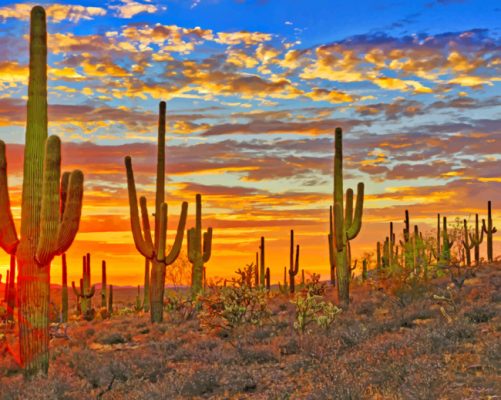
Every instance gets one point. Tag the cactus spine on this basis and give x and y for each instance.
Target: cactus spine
(155, 251)
(47, 229)
(294, 264)
(489, 230)
(346, 227)
(64, 290)
(199, 251)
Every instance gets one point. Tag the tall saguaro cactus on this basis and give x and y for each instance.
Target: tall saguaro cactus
(199, 251)
(476, 239)
(345, 227)
(294, 264)
(262, 266)
(103, 284)
(489, 230)
(155, 249)
(50, 209)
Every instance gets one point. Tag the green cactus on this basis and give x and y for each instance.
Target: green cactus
(294, 264)
(476, 239)
(364, 270)
(489, 230)
(139, 304)
(155, 251)
(262, 263)
(110, 300)
(467, 244)
(86, 292)
(199, 251)
(146, 291)
(256, 271)
(446, 244)
(103, 284)
(46, 230)
(64, 290)
(345, 227)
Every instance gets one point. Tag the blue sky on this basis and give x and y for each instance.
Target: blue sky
(255, 90)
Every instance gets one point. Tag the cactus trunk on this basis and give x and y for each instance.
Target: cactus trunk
(64, 291)
(489, 230)
(146, 293)
(262, 264)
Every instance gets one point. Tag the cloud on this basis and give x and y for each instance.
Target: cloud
(130, 8)
(55, 12)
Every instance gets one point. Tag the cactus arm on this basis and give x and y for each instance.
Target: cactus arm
(191, 246)
(65, 178)
(146, 221)
(339, 233)
(353, 229)
(142, 245)
(178, 242)
(75, 290)
(162, 237)
(207, 245)
(8, 234)
(68, 227)
(348, 213)
(49, 223)
(91, 292)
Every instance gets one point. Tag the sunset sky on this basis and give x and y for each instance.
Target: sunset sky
(254, 90)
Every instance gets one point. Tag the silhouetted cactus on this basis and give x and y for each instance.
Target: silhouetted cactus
(47, 229)
(261, 263)
(155, 251)
(293, 265)
(268, 279)
(110, 300)
(467, 244)
(256, 271)
(139, 304)
(476, 239)
(364, 270)
(103, 284)
(439, 238)
(86, 292)
(345, 227)
(489, 230)
(199, 248)
(378, 257)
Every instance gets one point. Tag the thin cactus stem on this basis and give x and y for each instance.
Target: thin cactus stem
(262, 263)
(103, 284)
(489, 230)
(294, 263)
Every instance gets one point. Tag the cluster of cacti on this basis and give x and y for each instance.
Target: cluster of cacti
(346, 222)
(86, 292)
(50, 209)
(199, 248)
(154, 249)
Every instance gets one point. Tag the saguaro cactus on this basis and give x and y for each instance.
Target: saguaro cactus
(345, 227)
(155, 250)
(103, 284)
(446, 243)
(110, 300)
(198, 253)
(84, 296)
(489, 230)
(476, 239)
(47, 229)
(467, 244)
(439, 238)
(267, 279)
(293, 265)
(262, 263)
(64, 290)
